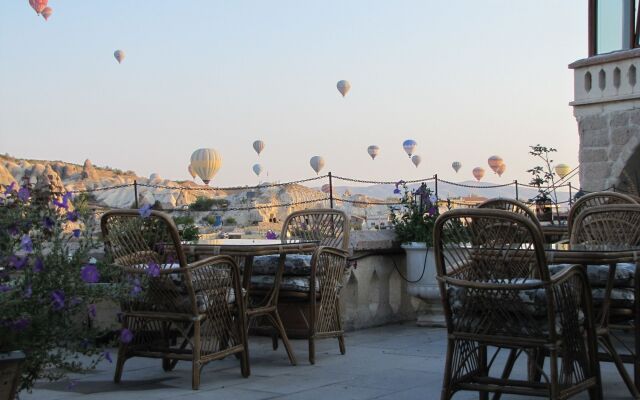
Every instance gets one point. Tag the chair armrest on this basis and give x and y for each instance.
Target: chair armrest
(202, 275)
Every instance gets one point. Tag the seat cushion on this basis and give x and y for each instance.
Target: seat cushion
(289, 283)
(294, 265)
(598, 274)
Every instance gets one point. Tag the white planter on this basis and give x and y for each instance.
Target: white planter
(421, 274)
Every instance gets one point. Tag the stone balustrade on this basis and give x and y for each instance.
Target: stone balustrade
(607, 107)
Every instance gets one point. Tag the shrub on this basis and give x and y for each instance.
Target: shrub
(187, 228)
(46, 278)
(205, 204)
(230, 221)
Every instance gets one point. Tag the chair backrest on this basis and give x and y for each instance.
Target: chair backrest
(148, 254)
(594, 200)
(512, 205)
(330, 227)
(491, 269)
(617, 224)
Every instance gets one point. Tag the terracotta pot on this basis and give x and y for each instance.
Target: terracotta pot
(10, 374)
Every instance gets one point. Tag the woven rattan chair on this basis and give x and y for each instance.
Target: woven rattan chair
(596, 199)
(497, 293)
(174, 311)
(321, 311)
(616, 225)
(511, 205)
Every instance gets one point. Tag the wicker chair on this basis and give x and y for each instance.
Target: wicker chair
(512, 205)
(617, 224)
(594, 200)
(497, 292)
(320, 312)
(175, 311)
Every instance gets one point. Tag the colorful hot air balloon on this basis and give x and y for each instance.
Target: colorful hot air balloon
(206, 163)
(38, 5)
(501, 169)
(257, 169)
(456, 165)
(495, 162)
(478, 173)
(119, 55)
(409, 146)
(326, 188)
(317, 163)
(46, 13)
(373, 151)
(416, 160)
(193, 174)
(343, 87)
(562, 170)
(258, 146)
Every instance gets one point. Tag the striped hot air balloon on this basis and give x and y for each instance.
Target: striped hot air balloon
(206, 163)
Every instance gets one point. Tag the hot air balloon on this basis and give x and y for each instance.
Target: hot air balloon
(343, 87)
(373, 151)
(495, 162)
(38, 5)
(257, 169)
(317, 163)
(501, 169)
(326, 188)
(562, 170)
(206, 163)
(409, 146)
(478, 173)
(193, 174)
(46, 13)
(119, 55)
(416, 160)
(456, 165)
(258, 146)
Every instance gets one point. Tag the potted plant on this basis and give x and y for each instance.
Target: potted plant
(543, 179)
(413, 222)
(47, 294)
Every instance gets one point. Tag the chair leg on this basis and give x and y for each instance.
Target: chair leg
(609, 348)
(117, 377)
(195, 367)
(506, 373)
(275, 320)
(274, 340)
(482, 349)
(554, 387)
(312, 351)
(343, 349)
(445, 394)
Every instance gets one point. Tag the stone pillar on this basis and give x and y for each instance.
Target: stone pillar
(607, 108)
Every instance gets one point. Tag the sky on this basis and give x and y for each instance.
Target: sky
(465, 79)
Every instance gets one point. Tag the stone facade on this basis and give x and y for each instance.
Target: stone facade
(607, 109)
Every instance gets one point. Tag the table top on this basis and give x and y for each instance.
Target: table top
(251, 246)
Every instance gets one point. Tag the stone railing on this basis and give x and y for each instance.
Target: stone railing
(607, 107)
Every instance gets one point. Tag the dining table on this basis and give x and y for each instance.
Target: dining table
(600, 254)
(244, 250)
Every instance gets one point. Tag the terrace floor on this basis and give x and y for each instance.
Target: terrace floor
(390, 362)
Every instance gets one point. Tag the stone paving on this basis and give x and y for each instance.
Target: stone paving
(390, 362)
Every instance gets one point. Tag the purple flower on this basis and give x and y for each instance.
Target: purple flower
(20, 324)
(90, 274)
(153, 270)
(5, 288)
(126, 336)
(24, 194)
(107, 356)
(57, 300)
(396, 191)
(145, 211)
(91, 311)
(72, 216)
(13, 229)
(65, 201)
(26, 244)
(18, 262)
(38, 265)
(432, 211)
(47, 223)
(27, 292)
(10, 189)
(76, 233)
(136, 289)
(271, 235)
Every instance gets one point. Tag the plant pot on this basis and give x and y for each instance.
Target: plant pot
(422, 283)
(10, 374)
(544, 211)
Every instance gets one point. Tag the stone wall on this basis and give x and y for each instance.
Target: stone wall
(607, 108)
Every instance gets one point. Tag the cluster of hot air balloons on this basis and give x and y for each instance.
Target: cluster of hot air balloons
(41, 8)
(409, 147)
(258, 146)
